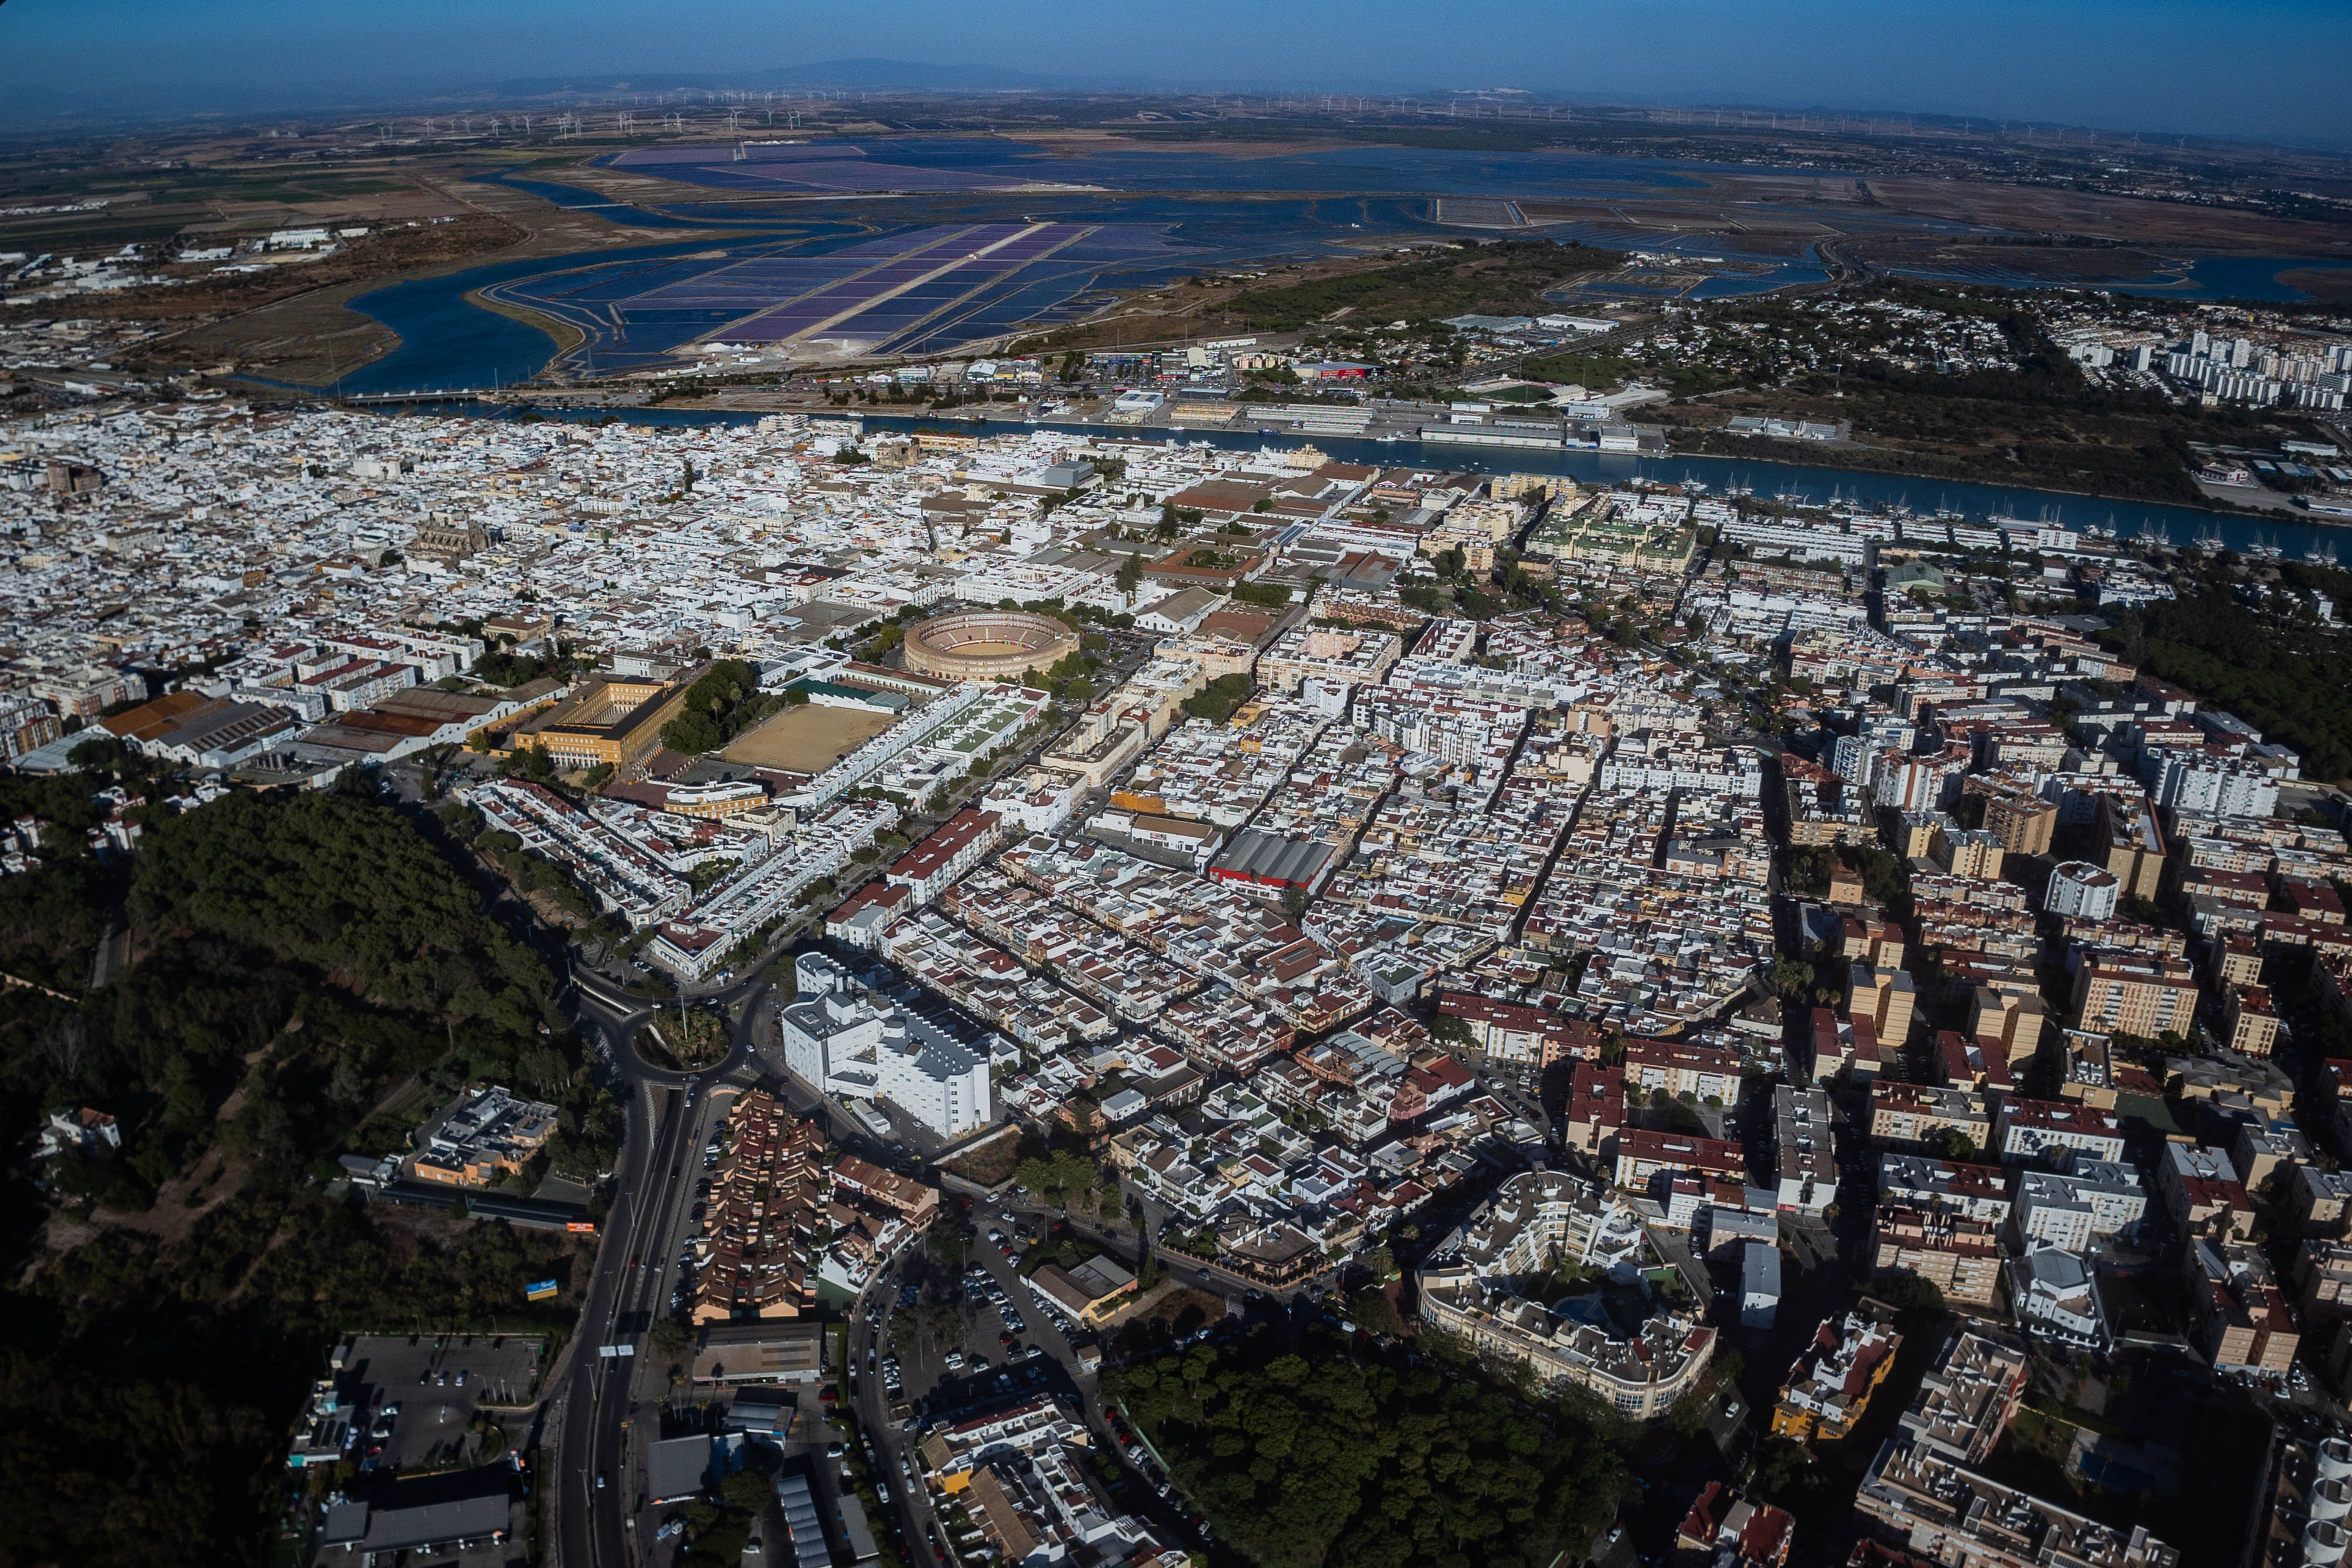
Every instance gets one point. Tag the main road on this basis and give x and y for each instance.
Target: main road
(585, 1425)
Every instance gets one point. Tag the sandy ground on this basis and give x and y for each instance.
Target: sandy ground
(807, 739)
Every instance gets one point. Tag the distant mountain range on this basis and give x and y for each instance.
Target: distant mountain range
(922, 75)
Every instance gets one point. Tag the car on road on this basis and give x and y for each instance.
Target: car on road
(600, 1480)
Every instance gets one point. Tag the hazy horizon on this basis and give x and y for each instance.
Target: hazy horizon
(2263, 72)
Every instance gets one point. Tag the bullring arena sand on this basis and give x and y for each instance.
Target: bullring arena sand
(807, 739)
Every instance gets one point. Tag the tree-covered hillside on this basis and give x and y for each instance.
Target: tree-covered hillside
(291, 966)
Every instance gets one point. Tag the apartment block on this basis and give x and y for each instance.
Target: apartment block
(2023, 1129)
(1886, 997)
(1680, 1069)
(2139, 994)
(1465, 1290)
(1835, 1376)
(757, 1255)
(1911, 1115)
(1643, 1154)
(2249, 1023)
(1596, 1107)
(2010, 1018)
(2070, 1208)
(2020, 824)
(1960, 1256)
(2200, 1188)
(1921, 1492)
(2245, 1323)
(1510, 1031)
(945, 854)
(1967, 852)
(2322, 1277)
(2319, 1199)
(1803, 1159)
(1948, 1186)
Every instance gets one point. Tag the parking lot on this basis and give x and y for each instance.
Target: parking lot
(411, 1396)
(962, 1328)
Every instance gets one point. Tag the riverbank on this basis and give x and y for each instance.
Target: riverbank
(1891, 461)
(1778, 455)
(1815, 484)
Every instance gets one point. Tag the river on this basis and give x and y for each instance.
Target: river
(447, 343)
(1817, 485)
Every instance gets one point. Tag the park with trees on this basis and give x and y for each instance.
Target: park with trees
(1311, 1452)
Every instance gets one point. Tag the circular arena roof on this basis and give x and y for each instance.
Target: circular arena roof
(987, 645)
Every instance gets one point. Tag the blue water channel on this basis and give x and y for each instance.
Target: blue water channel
(1225, 210)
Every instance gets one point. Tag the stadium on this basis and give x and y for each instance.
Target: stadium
(987, 645)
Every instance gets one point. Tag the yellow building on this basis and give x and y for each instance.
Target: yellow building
(1831, 1382)
(616, 722)
(2010, 1014)
(2147, 995)
(2023, 824)
(1968, 851)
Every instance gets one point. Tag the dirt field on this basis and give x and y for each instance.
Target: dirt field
(2036, 209)
(295, 324)
(807, 739)
(2326, 283)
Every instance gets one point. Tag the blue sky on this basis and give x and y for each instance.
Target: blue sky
(2270, 68)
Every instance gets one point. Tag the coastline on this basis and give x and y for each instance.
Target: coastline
(565, 336)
